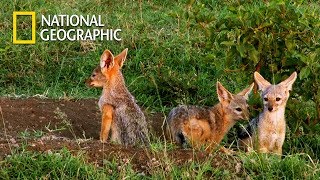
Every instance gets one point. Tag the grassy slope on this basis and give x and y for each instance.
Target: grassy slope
(63, 66)
(162, 44)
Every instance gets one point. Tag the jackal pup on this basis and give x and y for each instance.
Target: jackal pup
(207, 125)
(120, 113)
(266, 133)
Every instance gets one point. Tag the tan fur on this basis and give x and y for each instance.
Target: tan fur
(120, 113)
(107, 117)
(268, 129)
(206, 126)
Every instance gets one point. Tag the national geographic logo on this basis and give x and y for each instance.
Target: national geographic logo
(33, 30)
(64, 27)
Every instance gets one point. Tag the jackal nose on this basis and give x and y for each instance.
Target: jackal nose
(270, 108)
(88, 82)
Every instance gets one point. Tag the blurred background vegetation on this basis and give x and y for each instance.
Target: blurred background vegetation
(177, 52)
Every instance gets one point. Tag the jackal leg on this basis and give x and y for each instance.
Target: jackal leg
(264, 145)
(115, 132)
(107, 117)
(279, 142)
(278, 148)
(278, 151)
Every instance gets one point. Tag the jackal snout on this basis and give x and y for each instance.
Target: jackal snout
(97, 79)
(274, 97)
(245, 114)
(238, 107)
(271, 104)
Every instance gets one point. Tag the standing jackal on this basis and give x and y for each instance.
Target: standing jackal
(120, 113)
(266, 133)
(207, 125)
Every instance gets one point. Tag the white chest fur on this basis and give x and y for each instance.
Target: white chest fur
(271, 128)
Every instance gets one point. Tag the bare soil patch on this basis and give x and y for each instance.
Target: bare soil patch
(75, 125)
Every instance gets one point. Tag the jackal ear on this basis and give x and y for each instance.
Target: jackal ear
(224, 95)
(261, 82)
(106, 60)
(245, 93)
(120, 58)
(289, 81)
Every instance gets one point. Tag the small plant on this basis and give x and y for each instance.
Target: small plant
(65, 121)
(27, 134)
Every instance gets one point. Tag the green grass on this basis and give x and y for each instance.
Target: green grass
(64, 165)
(57, 165)
(169, 63)
(161, 45)
(298, 166)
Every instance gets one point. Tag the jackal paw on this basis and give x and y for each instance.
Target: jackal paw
(103, 140)
(227, 151)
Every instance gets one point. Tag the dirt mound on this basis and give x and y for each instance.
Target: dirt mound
(67, 118)
(46, 125)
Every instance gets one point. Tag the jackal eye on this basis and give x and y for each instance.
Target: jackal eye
(93, 75)
(266, 99)
(277, 99)
(239, 109)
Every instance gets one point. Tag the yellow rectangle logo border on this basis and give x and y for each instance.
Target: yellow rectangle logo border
(33, 31)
